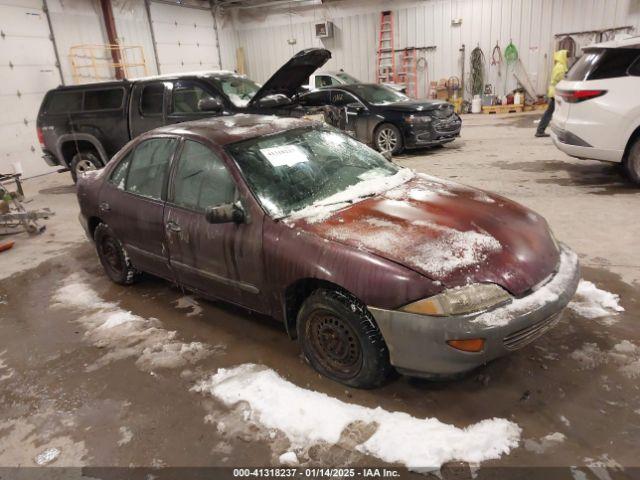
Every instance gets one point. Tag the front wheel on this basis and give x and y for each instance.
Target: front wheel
(113, 256)
(340, 340)
(387, 138)
(83, 162)
(632, 161)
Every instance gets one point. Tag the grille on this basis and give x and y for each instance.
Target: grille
(522, 337)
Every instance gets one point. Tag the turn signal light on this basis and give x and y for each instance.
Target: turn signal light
(468, 345)
(576, 96)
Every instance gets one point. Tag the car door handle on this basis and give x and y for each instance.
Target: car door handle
(173, 226)
(105, 207)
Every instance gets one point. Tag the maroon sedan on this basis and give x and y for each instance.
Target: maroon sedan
(370, 265)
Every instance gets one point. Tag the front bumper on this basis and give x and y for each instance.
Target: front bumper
(437, 132)
(417, 343)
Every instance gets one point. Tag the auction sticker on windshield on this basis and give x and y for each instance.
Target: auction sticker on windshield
(288, 155)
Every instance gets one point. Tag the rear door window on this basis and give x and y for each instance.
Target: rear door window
(119, 174)
(64, 102)
(149, 167)
(152, 99)
(201, 179)
(107, 99)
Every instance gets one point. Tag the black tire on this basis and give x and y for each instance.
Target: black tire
(340, 339)
(632, 161)
(387, 137)
(82, 162)
(113, 256)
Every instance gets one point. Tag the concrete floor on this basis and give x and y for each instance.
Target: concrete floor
(58, 389)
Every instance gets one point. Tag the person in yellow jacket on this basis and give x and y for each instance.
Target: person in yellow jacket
(557, 74)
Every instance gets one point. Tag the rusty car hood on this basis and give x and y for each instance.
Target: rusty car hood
(448, 232)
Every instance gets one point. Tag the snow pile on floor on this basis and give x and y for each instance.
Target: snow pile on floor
(323, 209)
(307, 417)
(5, 371)
(190, 303)
(625, 354)
(544, 443)
(548, 293)
(48, 456)
(593, 302)
(124, 334)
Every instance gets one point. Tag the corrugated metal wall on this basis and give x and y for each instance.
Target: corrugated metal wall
(530, 24)
(27, 70)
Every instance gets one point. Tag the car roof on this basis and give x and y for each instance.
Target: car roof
(167, 76)
(200, 73)
(629, 42)
(225, 130)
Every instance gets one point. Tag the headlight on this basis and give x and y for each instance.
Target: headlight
(417, 119)
(458, 301)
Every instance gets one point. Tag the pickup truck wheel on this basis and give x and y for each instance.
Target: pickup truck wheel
(113, 256)
(632, 162)
(387, 138)
(340, 339)
(83, 162)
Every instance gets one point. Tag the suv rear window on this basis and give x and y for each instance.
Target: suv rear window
(63, 102)
(602, 64)
(107, 99)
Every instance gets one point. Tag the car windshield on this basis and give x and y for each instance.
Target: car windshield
(240, 90)
(297, 168)
(346, 78)
(379, 94)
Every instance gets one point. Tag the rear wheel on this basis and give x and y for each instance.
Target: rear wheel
(387, 138)
(340, 339)
(113, 256)
(84, 162)
(632, 161)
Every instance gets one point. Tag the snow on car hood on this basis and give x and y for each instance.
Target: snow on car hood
(447, 232)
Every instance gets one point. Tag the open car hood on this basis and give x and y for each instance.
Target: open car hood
(293, 74)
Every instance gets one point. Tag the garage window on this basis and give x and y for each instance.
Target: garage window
(201, 179)
(108, 99)
(64, 102)
(149, 167)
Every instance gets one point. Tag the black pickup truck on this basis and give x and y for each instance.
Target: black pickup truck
(81, 127)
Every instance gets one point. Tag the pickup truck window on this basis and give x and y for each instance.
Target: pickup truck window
(64, 102)
(149, 167)
(185, 97)
(107, 99)
(201, 179)
(151, 99)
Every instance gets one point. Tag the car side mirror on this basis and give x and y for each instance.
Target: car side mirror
(274, 100)
(355, 107)
(210, 104)
(227, 213)
(387, 154)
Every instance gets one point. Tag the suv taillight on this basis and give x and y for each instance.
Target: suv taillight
(40, 137)
(576, 96)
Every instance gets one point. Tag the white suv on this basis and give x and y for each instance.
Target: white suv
(597, 113)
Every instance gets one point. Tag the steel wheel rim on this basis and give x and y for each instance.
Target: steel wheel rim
(84, 165)
(387, 140)
(110, 253)
(334, 344)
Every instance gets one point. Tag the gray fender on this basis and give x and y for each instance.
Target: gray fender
(80, 137)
